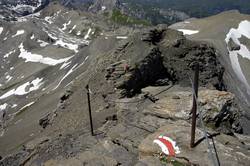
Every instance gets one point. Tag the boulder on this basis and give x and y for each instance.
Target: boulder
(218, 109)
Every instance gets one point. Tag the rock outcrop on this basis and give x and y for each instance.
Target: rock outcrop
(218, 108)
(171, 56)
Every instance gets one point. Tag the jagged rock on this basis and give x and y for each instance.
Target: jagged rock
(153, 36)
(220, 111)
(144, 73)
(179, 131)
(45, 121)
(170, 56)
(65, 96)
(233, 46)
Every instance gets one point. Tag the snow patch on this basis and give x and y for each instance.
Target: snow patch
(66, 75)
(29, 57)
(3, 106)
(104, 8)
(235, 34)
(42, 43)
(32, 37)
(8, 78)
(19, 32)
(27, 105)
(65, 25)
(88, 33)
(8, 54)
(74, 27)
(70, 46)
(188, 31)
(78, 33)
(65, 65)
(121, 37)
(1, 30)
(24, 89)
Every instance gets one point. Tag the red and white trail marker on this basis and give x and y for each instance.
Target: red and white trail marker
(167, 145)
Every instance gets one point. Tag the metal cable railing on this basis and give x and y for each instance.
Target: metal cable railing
(212, 150)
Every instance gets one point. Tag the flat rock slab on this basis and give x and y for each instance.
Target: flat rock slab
(178, 104)
(229, 150)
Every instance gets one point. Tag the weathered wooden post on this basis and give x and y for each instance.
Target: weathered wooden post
(194, 108)
(90, 114)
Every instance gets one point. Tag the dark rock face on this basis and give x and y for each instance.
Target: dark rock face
(145, 72)
(172, 58)
(180, 57)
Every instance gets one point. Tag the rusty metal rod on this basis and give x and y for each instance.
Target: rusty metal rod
(90, 114)
(194, 108)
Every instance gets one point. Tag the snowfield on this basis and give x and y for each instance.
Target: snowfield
(29, 57)
(24, 89)
(235, 35)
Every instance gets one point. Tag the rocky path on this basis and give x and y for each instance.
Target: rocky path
(127, 137)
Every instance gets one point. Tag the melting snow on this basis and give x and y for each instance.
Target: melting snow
(48, 19)
(70, 46)
(19, 32)
(3, 106)
(24, 89)
(65, 65)
(78, 33)
(8, 54)
(188, 32)
(42, 43)
(103, 8)
(29, 57)
(1, 30)
(87, 35)
(121, 37)
(235, 34)
(27, 105)
(8, 78)
(14, 106)
(66, 75)
(72, 29)
(32, 37)
(65, 25)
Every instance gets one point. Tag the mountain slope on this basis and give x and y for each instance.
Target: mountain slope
(139, 79)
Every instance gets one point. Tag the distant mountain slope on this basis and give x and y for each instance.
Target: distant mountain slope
(170, 11)
(10, 9)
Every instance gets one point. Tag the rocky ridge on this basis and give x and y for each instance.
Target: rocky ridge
(127, 116)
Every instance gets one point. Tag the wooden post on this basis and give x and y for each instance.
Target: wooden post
(90, 115)
(194, 108)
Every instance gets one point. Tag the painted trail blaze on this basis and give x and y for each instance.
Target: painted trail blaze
(167, 145)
